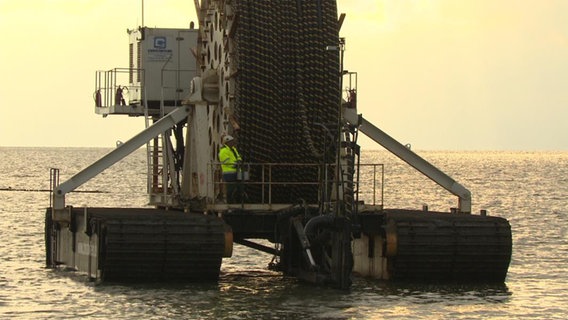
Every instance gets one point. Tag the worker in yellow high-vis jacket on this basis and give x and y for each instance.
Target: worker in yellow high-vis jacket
(230, 158)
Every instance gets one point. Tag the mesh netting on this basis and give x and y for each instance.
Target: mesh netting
(287, 89)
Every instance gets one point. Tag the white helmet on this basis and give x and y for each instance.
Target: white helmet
(228, 138)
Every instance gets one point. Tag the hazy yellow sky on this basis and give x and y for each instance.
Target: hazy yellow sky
(438, 74)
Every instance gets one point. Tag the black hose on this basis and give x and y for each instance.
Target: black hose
(316, 222)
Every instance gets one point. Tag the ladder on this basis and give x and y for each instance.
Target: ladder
(155, 152)
(163, 185)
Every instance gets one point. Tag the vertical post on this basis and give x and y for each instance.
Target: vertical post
(339, 176)
(142, 13)
(262, 184)
(165, 164)
(53, 183)
(270, 184)
(382, 185)
(374, 184)
(155, 164)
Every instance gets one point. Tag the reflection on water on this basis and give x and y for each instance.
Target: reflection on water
(266, 295)
(529, 189)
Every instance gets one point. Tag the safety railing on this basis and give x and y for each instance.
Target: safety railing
(113, 87)
(350, 90)
(53, 183)
(373, 176)
(267, 178)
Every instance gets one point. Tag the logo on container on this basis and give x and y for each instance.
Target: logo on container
(160, 42)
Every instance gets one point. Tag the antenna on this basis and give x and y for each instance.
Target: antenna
(142, 13)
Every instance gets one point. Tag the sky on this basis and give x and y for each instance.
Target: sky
(435, 74)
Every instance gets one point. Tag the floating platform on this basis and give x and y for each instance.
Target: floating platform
(129, 244)
(433, 246)
(396, 244)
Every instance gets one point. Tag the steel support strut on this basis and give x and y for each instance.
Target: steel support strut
(167, 122)
(405, 154)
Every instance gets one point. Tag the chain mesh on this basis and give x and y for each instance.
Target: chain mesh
(287, 88)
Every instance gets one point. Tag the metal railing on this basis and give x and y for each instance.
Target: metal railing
(370, 184)
(53, 183)
(107, 84)
(368, 176)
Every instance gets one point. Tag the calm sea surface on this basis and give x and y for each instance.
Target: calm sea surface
(529, 189)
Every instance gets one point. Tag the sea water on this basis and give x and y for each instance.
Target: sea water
(530, 189)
